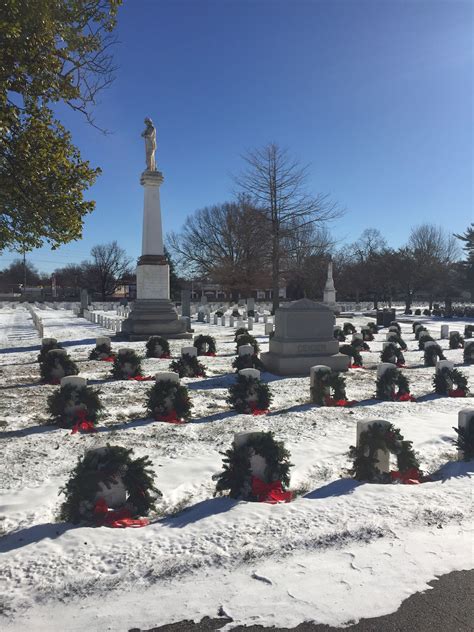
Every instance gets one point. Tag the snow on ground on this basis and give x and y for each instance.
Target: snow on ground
(341, 551)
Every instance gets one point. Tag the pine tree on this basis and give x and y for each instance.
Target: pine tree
(468, 264)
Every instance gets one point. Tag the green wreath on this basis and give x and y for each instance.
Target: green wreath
(397, 339)
(236, 313)
(423, 339)
(468, 331)
(353, 353)
(103, 465)
(55, 364)
(432, 354)
(162, 393)
(202, 342)
(387, 384)
(394, 325)
(118, 370)
(373, 327)
(415, 325)
(219, 313)
(367, 334)
(393, 354)
(100, 351)
(236, 475)
(247, 339)
(239, 393)
(456, 341)
(328, 384)
(359, 345)
(468, 354)
(248, 362)
(188, 366)
(45, 348)
(378, 437)
(348, 328)
(450, 382)
(465, 440)
(241, 331)
(250, 313)
(339, 335)
(157, 347)
(419, 331)
(60, 401)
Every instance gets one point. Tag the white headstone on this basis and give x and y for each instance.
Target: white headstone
(384, 366)
(315, 370)
(383, 457)
(231, 321)
(357, 336)
(246, 350)
(215, 319)
(255, 373)
(48, 341)
(444, 364)
(465, 418)
(250, 323)
(102, 340)
(268, 328)
(73, 380)
(123, 351)
(58, 352)
(444, 332)
(167, 376)
(258, 463)
(190, 351)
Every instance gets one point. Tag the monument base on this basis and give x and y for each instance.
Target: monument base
(154, 317)
(301, 364)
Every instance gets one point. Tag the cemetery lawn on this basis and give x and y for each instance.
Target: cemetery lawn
(341, 551)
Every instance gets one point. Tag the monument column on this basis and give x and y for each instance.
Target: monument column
(329, 295)
(153, 314)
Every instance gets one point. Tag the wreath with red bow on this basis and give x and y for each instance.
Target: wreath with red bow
(157, 347)
(450, 382)
(169, 401)
(379, 437)
(388, 383)
(71, 407)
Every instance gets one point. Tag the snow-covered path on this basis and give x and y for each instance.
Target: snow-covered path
(341, 551)
(17, 329)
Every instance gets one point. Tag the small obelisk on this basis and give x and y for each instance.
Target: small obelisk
(153, 313)
(329, 295)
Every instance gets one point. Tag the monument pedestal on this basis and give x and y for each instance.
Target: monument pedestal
(303, 338)
(153, 314)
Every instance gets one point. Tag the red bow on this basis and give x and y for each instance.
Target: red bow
(171, 418)
(330, 401)
(210, 355)
(269, 492)
(400, 365)
(165, 355)
(108, 359)
(141, 378)
(257, 411)
(116, 519)
(458, 392)
(83, 424)
(409, 477)
(403, 397)
(54, 381)
(355, 366)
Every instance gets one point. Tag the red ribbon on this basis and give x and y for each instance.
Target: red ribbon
(409, 477)
(170, 418)
(401, 366)
(83, 424)
(403, 397)
(165, 355)
(108, 359)
(458, 392)
(355, 366)
(210, 355)
(141, 378)
(330, 401)
(116, 519)
(269, 492)
(54, 381)
(257, 411)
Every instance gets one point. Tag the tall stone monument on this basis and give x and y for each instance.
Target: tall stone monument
(303, 338)
(153, 314)
(329, 295)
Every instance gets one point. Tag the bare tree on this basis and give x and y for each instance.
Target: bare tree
(277, 185)
(225, 244)
(433, 243)
(109, 266)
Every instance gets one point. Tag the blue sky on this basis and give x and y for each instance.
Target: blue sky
(375, 95)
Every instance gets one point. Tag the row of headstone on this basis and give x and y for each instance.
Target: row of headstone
(107, 322)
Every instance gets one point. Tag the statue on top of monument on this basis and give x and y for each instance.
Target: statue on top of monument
(150, 144)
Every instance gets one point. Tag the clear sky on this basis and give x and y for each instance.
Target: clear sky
(376, 95)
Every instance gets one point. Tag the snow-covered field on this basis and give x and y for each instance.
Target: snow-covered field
(341, 551)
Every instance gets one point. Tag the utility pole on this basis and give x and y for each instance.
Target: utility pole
(24, 273)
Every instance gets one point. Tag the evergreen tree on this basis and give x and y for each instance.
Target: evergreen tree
(468, 264)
